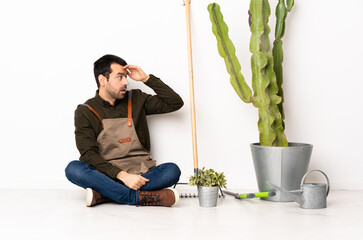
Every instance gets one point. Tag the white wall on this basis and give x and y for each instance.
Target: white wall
(48, 47)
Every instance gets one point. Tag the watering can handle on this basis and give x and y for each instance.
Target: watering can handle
(327, 179)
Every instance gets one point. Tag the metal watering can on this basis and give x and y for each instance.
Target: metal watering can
(310, 195)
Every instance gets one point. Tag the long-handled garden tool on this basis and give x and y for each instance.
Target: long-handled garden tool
(250, 195)
(192, 99)
(191, 87)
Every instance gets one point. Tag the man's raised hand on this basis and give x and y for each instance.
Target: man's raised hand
(136, 73)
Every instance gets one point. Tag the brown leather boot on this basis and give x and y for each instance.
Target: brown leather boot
(94, 198)
(164, 197)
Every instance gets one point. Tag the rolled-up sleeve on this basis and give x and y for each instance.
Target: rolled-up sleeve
(166, 99)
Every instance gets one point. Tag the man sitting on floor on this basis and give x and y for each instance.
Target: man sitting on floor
(112, 137)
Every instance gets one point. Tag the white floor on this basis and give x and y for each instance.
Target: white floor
(62, 214)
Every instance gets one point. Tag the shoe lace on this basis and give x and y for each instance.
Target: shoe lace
(150, 199)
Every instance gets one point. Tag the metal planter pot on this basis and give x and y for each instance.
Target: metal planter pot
(281, 166)
(208, 196)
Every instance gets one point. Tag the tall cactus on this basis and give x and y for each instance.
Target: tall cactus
(266, 77)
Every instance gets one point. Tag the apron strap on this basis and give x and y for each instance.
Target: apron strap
(129, 110)
(94, 111)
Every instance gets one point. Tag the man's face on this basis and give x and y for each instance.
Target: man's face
(117, 82)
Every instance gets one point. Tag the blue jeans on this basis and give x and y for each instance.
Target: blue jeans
(84, 175)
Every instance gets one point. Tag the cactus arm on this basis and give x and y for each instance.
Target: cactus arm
(278, 58)
(227, 51)
(261, 100)
(278, 124)
(290, 4)
(257, 25)
(270, 122)
(258, 61)
(259, 47)
(265, 40)
(264, 83)
(281, 14)
(280, 19)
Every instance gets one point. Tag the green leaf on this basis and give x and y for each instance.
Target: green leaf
(208, 178)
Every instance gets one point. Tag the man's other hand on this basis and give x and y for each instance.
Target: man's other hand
(132, 181)
(136, 73)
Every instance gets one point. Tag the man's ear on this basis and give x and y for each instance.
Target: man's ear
(102, 80)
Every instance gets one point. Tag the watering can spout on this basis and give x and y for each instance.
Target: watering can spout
(295, 195)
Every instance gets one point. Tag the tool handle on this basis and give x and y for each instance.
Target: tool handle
(191, 86)
(265, 194)
(250, 195)
(247, 195)
(258, 195)
(236, 195)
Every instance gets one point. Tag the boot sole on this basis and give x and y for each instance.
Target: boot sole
(89, 197)
(176, 195)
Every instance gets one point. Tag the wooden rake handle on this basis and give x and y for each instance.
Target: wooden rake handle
(191, 87)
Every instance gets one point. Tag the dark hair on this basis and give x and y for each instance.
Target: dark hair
(103, 66)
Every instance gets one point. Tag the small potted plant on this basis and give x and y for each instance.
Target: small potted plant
(208, 183)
